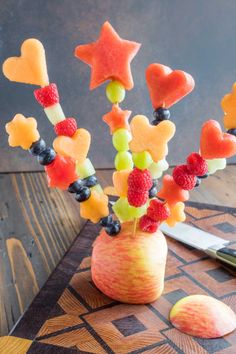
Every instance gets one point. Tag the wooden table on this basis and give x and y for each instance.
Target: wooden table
(39, 225)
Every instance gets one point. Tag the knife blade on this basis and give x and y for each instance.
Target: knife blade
(204, 241)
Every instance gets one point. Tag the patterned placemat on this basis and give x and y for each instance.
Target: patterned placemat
(71, 316)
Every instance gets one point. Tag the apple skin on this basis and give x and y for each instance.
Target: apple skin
(203, 316)
(129, 268)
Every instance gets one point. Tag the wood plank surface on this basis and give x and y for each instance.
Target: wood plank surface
(79, 318)
(38, 225)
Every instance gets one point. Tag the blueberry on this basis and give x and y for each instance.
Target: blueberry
(155, 122)
(106, 221)
(113, 229)
(232, 131)
(76, 186)
(46, 156)
(154, 182)
(37, 147)
(161, 114)
(83, 195)
(152, 192)
(90, 181)
(205, 176)
(198, 182)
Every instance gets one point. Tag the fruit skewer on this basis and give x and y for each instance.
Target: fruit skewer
(71, 145)
(117, 53)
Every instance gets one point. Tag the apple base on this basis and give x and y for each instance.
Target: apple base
(127, 268)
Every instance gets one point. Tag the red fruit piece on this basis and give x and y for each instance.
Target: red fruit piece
(183, 178)
(66, 127)
(146, 224)
(140, 180)
(215, 144)
(117, 118)
(166, 86)
(196, 164)
(61, 172)
(158, 211)
(109, 57)
(47, 96)
(136, 198)
(172, 192)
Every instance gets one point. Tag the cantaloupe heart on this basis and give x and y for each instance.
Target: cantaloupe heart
(30, 67)
(166, 86)
(151, 138)
(76, 146)
(215, 144)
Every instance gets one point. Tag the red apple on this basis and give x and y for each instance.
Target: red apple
(130, 268)
(203, 316)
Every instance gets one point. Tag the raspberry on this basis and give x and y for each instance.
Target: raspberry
(47, 96)
(140, 180)
(146, 224)
(66, 127)
(136, 198)
(197, 165)
(183, 178)
(158, 211)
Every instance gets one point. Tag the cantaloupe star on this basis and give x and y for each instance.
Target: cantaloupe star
(22, 131)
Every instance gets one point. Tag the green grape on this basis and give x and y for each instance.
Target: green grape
(85, 169)
(115, 92)
(215, 165)
(121, 139)
(126, 212)
(97, 188)
(123, 161)
(142, 159)
(157, 168)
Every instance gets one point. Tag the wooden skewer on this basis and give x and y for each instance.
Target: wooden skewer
(134, 227)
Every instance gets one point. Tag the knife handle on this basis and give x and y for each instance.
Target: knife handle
(227, 255)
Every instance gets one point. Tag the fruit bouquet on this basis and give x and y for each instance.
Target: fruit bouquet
(129, 254)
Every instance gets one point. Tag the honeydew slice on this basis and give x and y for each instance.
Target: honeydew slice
(55, 113)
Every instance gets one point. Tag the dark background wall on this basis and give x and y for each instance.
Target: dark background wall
(196, 36)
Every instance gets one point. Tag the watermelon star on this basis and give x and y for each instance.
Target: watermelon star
(172, 192)
(117, 118)
(109, 57)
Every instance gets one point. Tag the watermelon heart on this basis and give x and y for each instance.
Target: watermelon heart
(214, 143)
(167, 86)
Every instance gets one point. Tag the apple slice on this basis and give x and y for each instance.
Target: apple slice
(203, 316)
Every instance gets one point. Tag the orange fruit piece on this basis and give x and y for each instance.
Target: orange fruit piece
(120, 181)
(76, 146)
(171, 192)
(151, 138)
(109, 57)
(22, 131)
(214, 143)
(228, 105)
(117, 118)
(96, 207)
(110, 190)
(30, 67)
(177, 214)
